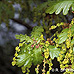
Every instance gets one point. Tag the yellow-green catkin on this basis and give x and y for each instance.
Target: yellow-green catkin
(46, 53)
(43, 70)
(37, 69)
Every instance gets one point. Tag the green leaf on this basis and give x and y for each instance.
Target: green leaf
(37, 56)
(58, 6)
(65, 30)
(21, 37)
(36, 33)
(24, 37)
(67, 7)
(23, 49)
(73, 7)
(27, 58)
(54, 51)
(23, 59)
(72, 41)
(28, 63)
(59, 9)
(28, 54)
(62, 39)
(72, 28)
(62, 36)
(52, 9)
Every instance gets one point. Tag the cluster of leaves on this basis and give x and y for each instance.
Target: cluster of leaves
(31, 48)
(30, 51)
(60, 5)
(56, 6)
(65, 41)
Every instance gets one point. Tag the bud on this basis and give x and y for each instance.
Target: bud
(32, 45)
(37, 46)
(36, 41)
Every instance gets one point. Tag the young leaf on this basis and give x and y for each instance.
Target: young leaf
(65, 30)
(37, 56)
(53, 51)
(24, 37)
(62, 39)
(23, 59)
(62, 36)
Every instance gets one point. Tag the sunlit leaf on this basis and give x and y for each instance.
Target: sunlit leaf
(37, 56)
(58, 6)
(53, 51)
(23, 59)
(62, 36)
(62, 39)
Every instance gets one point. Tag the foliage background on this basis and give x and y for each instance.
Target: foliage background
(9, 26)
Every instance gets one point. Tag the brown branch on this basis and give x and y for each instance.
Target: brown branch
(22, 23)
